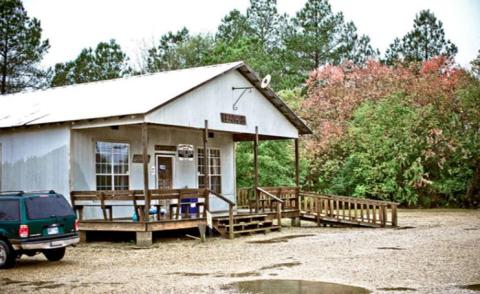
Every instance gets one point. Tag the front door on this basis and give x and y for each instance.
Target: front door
(164, 172)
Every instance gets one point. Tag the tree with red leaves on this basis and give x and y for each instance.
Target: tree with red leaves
(404, 133)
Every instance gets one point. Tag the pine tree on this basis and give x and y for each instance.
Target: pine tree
(426, 40)
(233, 27)
(180, 50)
(21, 49)
(321, 36)
(107, 61)
(265, 22)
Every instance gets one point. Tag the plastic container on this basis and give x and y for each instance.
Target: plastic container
(192, 208)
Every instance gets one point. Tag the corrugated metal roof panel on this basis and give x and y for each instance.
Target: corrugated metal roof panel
(132, 95)
(119, 97)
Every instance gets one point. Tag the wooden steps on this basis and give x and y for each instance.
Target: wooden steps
(244, 224)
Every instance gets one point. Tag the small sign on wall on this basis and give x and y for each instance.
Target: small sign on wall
(229, 118)
(185, 152)
(138, 158)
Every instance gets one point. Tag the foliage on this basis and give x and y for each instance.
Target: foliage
(180, 50)
(320, 36)
(426, 40)
(21, 49)
(476, 65)
(107, 61)
(405, 133)
(276, 164)
(269, 42)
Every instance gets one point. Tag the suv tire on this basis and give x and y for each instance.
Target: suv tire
(7, 255)
(54, 254)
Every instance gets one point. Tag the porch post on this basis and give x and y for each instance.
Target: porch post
(296, 220)
(145, 171)
(255, 163)
(297, 165)
(206, 172)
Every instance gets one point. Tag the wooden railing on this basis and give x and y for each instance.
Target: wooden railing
(349, 210)
(244, 195)
(231, 205)
(246, 198)
(172, 200)
(265, 195)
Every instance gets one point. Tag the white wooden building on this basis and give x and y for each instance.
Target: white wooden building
(89, 136)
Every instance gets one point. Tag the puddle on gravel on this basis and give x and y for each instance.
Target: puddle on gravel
(279, 265)
(189, 274)
(255, 273)
(48, 285)
(279, 239)
(38, 285)
(472, 287)
(405, 228)
(7, 281)
(292, 287)
(239, 275)
(397, 289)
(390, 248)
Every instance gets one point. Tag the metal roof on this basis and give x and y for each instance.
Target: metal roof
(120, 97)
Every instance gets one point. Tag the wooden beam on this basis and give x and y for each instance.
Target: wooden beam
(255, 169)
(206, 172)
(145, 171)
(297, 172)
(297, 164)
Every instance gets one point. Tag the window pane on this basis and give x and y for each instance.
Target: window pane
(9, 210)
(47, 207)
(201, 182)
(121, 182)
(216, 183)
(104, 182)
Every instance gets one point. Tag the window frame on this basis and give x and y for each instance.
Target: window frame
(210, 175)
(112, 173)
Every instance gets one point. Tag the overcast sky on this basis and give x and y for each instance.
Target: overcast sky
(71, 25)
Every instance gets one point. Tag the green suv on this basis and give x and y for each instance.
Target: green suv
(35, 222)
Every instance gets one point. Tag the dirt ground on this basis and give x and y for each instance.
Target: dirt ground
(434, 251)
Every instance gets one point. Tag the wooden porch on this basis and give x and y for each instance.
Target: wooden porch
(258, 209)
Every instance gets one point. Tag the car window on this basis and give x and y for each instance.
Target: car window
(47, 206)
(9, 210)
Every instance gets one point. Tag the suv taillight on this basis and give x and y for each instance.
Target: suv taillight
(23, 231)
(76, 226)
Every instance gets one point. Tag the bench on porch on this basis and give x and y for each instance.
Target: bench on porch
(173, 200)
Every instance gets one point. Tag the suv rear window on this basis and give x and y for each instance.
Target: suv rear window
(9, 210)
(47, 206)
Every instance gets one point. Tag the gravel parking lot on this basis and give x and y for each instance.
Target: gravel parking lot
(433, 251)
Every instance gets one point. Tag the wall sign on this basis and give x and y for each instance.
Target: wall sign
(185, 151)
(165, 148)
(138, 158)
(229, 118)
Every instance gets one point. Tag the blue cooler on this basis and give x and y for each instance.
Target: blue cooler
(191, 210)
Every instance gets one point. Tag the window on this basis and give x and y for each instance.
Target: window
(46, 207)
(215, 174)
(9, 210)
(112, 167)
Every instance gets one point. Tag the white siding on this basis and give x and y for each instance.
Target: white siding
(185, 172)
(215, 97)
(36, 159)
